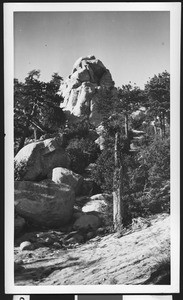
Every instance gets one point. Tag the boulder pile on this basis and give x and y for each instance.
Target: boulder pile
(49, 203)
(46, 190)
(46, 195)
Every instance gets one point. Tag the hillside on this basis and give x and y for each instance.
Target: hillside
(139, 256)
(92, 179)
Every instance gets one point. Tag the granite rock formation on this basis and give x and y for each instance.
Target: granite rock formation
(63, 175)
(84, 86)
(44, 203)
(36, 160)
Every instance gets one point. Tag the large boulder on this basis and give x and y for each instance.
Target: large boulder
(44, 203)
(87, 222)
(63, 175)
(35, 161)
(85, 86)
(99, 206)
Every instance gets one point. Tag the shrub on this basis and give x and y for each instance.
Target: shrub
(78, 130)
(82, 152)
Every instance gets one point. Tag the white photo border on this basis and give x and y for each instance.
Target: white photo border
(175, 27)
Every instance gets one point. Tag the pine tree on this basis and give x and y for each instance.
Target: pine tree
(158, 101)
(36, 107)
(130, 99)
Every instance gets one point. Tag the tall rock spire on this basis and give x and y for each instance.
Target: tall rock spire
(83, 87)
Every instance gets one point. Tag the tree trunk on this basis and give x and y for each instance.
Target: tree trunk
(126, 125)
(22, 140)
(164, 127)
(26, 128)
(117, 189)
(161, 127)
(155, 126)
(35, 134)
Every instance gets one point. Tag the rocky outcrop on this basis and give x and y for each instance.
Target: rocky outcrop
(63, 175)
(35, 161)
(84, 87)
(44, 203)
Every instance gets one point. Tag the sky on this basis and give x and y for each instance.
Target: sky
(132, 45)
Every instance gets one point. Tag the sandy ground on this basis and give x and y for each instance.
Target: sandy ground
(128, 259)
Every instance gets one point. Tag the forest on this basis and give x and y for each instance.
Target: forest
(134, 163)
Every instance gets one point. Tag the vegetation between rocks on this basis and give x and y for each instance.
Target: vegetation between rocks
(126, 156)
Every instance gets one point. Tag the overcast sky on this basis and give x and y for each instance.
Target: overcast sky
(132, 45)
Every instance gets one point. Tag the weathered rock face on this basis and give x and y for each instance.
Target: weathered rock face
(84, 87)
(63, 175)
(36, 160)
(46, 203)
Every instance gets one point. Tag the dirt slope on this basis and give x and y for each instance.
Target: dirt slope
(139, 257)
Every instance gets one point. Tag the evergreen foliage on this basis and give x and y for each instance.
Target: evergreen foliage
(158, 100)
(36, 108)
(80, 145)
(146, 170)
(82, 152)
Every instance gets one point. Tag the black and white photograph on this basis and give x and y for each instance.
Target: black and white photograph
(92, 148)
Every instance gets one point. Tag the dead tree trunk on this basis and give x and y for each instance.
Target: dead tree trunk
(161, 127)
(155, 126)
(126, 125)
(35, 134)
(117, 189)
(163, 124)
